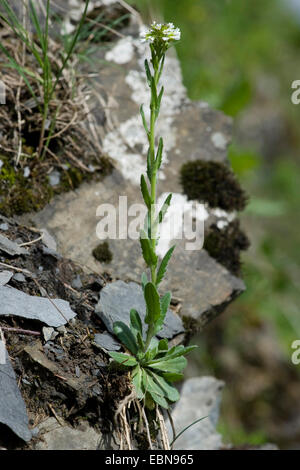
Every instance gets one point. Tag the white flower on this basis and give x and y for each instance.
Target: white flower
(161, 32)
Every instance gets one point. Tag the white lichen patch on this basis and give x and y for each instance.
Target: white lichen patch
(122, 52)
(128, 143)
(219, 140)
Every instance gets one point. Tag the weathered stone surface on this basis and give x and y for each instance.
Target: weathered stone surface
(106, 341)
(10, 247)
(118, 298)
(55, 436)
(200, 398)
(12, 407)
(191, 130)
(5, 277)
(54, 313)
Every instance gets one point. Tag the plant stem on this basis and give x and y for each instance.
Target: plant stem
(153, 118)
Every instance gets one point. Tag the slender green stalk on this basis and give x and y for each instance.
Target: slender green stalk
(155, 365)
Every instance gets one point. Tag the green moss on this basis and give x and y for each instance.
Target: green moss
(214, 183)
(102, 253)
(225, 245)
(19, 195)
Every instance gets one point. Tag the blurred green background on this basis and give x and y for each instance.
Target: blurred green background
(242, 57)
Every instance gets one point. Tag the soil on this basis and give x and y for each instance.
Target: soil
(69, 376)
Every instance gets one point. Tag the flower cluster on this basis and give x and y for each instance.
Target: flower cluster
(161, 32)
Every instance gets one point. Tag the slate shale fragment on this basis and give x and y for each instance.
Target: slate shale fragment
(12, 407)
(54, 312)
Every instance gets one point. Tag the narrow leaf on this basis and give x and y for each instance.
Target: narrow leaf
(159, 153)
(163, 265)
(145, 192)
(135, 322)
(124, 359)
(161, 401)
(170, 392)
(152, 303)
(144, 280)
(125, 335)
(137, 381)
(171, 365)
(144, 120)
(148, 73)
(147, 250)
(164, 208)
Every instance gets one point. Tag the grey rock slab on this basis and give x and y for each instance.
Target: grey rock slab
(54, 436)
(5, 277)
(14, 302)
(200, 397)
(118, 298)
(12, 407)
(10, 247)
(4, 227)
(106, 341)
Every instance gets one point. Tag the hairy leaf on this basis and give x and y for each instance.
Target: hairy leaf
(124, 359)
(137, 381)
(170, 392)
(144, 120)
(147, 250)
(145, 192)
(169, 365)
(163, 265)
(152, 303)
(126, 336)
(135, 322)
(159, 153)
(164, 208)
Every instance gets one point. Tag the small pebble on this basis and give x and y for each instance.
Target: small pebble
(19, 277)
(4, 227)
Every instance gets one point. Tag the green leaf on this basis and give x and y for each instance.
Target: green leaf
(125, 335)
(148, 73)
(161, 401)
(163, 345)
(147, 250)
(178, 351)
(149, 165)
(140, 341)
(144, 280)
(124, 359)
(145, 192)
(151, 385)
(170, 392)
(153, 304)
(169, 365)
(137, 381)
(144, 120)
(152, 350)
(164, 305)
(163, 265)
(135, 322)
(159, 154)
(159, 101)
(172, 376)
(164, 208)
(154, 97)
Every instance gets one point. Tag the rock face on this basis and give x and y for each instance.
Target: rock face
(191, 130)
(118, 298)
(200, 398)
